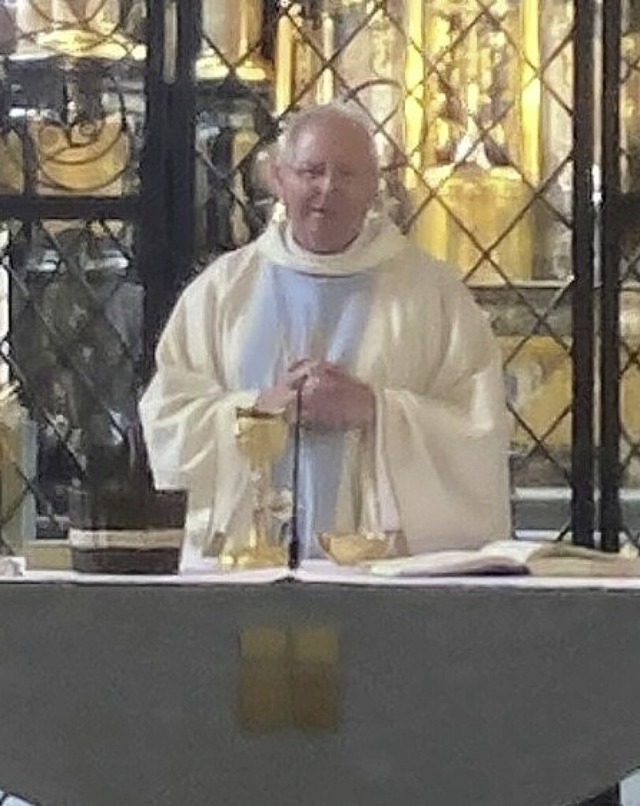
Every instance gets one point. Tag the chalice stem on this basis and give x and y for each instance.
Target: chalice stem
(259, 533)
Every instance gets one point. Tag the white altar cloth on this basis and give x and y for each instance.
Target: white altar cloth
(324, 571)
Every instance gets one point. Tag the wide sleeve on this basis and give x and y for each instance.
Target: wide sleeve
(445, 451)
(188, 415)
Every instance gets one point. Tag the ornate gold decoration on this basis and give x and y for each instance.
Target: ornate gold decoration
(76, 28)
(87, 157)
(81, 158)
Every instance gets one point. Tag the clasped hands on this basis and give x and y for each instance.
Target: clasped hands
(330, 398)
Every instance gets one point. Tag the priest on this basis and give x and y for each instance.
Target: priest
(403, 418)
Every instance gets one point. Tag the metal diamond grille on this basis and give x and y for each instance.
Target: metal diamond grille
(629, 89)
(72, 127)
(472, 105)
(471, 102)
(629, 321)
(74, 342)
(630, 390)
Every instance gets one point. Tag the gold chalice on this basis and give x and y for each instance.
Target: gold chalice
(261, 436)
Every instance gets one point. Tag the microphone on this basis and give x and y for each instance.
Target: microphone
(294, 542)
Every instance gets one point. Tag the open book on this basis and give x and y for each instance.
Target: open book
(513, 557)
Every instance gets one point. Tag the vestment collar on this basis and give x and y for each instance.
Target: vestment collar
(378, 242)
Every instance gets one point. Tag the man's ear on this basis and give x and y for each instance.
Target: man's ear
(273, 175)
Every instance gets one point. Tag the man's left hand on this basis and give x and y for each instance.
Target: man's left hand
(333, 399)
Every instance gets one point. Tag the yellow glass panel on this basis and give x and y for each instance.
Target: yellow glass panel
(629, 98)
(11, 170)
(473, 210)
(540, 376)
(630, 386)
(479, 140)
(233, 31)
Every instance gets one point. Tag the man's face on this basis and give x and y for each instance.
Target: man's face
(328, 185)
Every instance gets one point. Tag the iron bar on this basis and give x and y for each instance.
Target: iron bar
(153, 231)
(36, 208)
(582, 454)
(609, 290)
(182, 110)
(294, 542)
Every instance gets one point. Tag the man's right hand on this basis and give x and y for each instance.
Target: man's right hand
(283, 394)
(276, 398)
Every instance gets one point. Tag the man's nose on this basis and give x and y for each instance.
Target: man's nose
(328, 181)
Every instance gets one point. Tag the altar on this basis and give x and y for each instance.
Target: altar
(118, 691)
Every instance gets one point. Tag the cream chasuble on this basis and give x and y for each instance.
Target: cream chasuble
(436, 463)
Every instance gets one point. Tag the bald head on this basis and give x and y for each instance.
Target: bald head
(327, 177)
(349, 120)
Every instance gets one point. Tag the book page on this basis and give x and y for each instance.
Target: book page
(561, 558)
(448, 563)
(566, 565)
(520, 550)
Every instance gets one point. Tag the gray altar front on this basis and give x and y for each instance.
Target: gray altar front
(120, 693)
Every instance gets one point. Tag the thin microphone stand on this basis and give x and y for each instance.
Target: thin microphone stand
(294, 542)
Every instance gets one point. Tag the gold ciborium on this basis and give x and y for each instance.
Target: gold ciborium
(261, 436)
(353, 548)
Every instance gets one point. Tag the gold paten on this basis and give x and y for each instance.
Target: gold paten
(351, 548)
(261, 436)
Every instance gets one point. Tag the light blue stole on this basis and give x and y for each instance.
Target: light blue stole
(294, 315)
